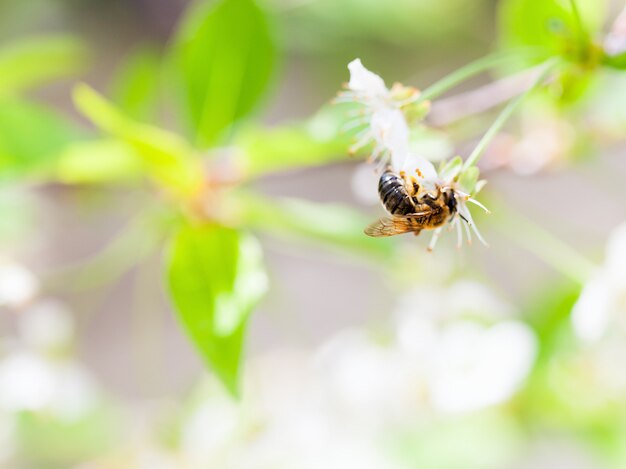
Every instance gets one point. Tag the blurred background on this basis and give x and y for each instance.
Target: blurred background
(363, 353)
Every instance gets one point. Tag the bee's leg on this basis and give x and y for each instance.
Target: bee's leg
(410, 183)
(411, 186)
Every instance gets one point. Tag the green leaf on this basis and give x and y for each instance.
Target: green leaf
(98, 161)
(167, 157)
(31, 62)
(468, 179)
(617, 61)
(224, 55)
(329, 224)
(31, 139)
(136, 84)
(553, 25)
(216, 277)
(47, 440)
(450, 169)
(287, 147)
(318, 140)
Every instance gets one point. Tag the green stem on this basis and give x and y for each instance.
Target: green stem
(546, 246)
(472, 69)
(503, 117)
(581, 31)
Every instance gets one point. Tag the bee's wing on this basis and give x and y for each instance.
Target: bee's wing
(390, 227)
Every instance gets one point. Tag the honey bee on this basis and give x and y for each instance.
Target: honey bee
(412, 209)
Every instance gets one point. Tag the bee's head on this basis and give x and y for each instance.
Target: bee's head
(449, 197)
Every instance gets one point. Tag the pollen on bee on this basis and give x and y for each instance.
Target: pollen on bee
(402, 174)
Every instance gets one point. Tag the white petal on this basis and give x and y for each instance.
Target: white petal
(591, 313)
(361, 79)
(481, 366)
(424, 168)
(17, 285)
(391, 131)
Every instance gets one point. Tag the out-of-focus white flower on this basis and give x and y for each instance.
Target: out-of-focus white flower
(373, 382)
(479, 366)
(31, 382)
(462, 299)
(17, 285)
(602, 303)
(466, 365)
(339, 407)
(210, 429)
(46, 325)
(290, 418)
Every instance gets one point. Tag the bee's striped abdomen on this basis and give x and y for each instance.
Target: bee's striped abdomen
(394, 195)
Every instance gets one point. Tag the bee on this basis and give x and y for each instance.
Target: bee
(412, 209)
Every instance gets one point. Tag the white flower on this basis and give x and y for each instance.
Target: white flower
(386, 129)
(479, 366)
(450, 178)
(209, 429)
(377, 384)
(385, 123)
(466, 365)
(288, 418)
(17, 285)
(602, 303)
(31, 382)
(367, 85)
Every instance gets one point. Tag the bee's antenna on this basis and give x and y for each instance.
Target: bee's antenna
(463, 218)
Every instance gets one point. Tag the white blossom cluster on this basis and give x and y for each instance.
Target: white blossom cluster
(386, 134)
(340, 406)
(37, 373)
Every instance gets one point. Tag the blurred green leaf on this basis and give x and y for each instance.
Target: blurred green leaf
(474, 440)
(450, 169)
(31, 139)
(98, 161)
(167, 157)
(45, 440)
(136, 84)
(287, 147)
(225, 57)
(330, 224)
(549, 315)
(551, 24)
(216, 277)
(469, 178)
(617, 61)
(30, 62)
